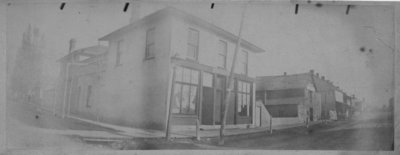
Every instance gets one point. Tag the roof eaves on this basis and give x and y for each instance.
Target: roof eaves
(69, 55)
(207, 25)
(191, 18)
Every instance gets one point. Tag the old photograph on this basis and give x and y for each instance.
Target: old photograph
(102, 75)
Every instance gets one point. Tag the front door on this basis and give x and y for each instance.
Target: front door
(220, 82)
(311, 114)
(208, 100)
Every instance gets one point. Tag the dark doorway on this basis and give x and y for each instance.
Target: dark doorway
(311, 114)
(220, 83)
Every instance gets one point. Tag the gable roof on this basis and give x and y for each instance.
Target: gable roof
(284, 81)
(170, 11)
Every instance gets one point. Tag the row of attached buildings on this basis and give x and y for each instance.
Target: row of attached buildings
(303, 97)
(171, 59)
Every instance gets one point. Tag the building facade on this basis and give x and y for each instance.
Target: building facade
(168, 59)
(290, 99)
(343, 104)
(326, 91)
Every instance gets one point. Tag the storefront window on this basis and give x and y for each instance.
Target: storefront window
(243, 98)
(186, 87)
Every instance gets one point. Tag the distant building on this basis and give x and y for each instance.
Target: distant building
(358, 105)
(342, 104)
(326, 91)
(295, 98)
(81, 79)
(291, 98)
(171, 58)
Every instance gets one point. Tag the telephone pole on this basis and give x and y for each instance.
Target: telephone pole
(230, 78)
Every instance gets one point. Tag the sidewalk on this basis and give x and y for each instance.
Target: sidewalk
(128, 132)
(46, 122)
(125, 131)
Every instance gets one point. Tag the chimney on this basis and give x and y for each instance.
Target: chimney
(284, 73)
(72, 44)
(135, 11)
(312, 72)
(323, 77)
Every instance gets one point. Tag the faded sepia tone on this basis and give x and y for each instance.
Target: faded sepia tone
(138, 75)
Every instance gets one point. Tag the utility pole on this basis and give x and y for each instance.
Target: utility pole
(167, 133)
(396, 19)
(230, 78)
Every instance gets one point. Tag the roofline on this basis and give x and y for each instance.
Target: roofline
(277, 76)
(281, 88)
(168, 11)
(77, 50)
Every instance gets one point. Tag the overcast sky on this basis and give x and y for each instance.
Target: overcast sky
(321, 38)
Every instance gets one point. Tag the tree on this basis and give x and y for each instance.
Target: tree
(391, 104)
(25, 78)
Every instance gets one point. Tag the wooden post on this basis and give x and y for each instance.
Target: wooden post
(395, 89)
(230, 79)
(307, 117)
(68, 106)
(270, 124)
(54, 101)
(200, 103)
(197, 129)
(65, 89)
(167, 133)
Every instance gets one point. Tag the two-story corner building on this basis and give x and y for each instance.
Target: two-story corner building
(80, 81)
(173, 59)
(290, 99)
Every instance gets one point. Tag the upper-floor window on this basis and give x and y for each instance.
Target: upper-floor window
(150, 39)
(222, 52)
(193, 44)
(119, 52)
(243, 62)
